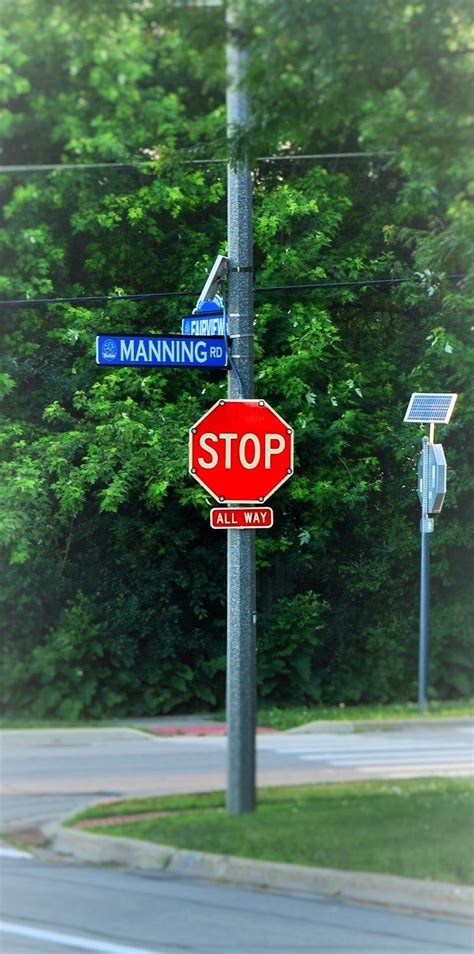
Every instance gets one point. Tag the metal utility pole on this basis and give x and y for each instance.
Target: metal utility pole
(241, 600)
(426, 528)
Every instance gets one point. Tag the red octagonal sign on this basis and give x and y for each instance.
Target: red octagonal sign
(241, 451)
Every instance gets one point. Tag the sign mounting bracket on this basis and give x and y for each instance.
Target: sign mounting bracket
(217, 275)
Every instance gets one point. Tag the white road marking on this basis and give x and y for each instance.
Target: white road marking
(373, 746)
(388, 753)
(73, 941)
(414, 771)
(7, 852)
(392, 758)
(463, 750)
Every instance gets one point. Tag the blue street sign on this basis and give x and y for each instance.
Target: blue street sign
(174, 351)
(210, 324)
(208, 318)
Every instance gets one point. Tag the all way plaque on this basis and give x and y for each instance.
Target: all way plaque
(241, 518)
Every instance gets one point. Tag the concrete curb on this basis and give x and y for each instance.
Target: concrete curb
(387, 725)
(409, 895)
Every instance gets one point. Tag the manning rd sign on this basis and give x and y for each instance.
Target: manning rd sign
(173, 351)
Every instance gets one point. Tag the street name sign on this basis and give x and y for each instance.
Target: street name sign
(173, 351)
(241, 451)
(205, 325)
(208, 318)
(241, 518)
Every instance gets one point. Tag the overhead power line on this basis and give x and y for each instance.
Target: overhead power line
(96, 299)
(313, 155)
(137, 165)
(67, 166)
(150, 296)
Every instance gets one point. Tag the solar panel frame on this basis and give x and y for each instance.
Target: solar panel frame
(426, 407)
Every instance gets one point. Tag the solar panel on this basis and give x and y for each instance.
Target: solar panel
(430, 408)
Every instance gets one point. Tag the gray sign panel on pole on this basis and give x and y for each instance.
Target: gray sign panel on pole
(435, 478)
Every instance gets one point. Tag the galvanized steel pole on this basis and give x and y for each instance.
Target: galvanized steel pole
(425, 529)
(241, 605)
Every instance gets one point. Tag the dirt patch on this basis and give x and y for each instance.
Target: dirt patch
(30, 838)
(119, 819)
(193, 730)
(136, 816)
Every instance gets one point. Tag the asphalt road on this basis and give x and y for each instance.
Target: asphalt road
(52, 907)
(55, 908)
(48, 773)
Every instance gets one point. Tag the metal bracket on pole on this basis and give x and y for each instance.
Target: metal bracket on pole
(426, 525)
(217, 274)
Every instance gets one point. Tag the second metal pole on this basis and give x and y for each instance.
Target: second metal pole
(241, 608)
(424, 620)
(425, 528)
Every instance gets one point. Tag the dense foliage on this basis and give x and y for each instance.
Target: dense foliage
(113, 585)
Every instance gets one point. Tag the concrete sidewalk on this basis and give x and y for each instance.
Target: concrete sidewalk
(381, 725)
(410, 895)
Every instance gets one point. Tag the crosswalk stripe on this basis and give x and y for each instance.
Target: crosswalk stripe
(414, 771)
(426, 766)
(388, 758)
(368, 750)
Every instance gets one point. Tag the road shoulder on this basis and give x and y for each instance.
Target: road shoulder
(410, 895)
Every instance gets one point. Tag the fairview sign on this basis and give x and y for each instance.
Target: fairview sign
(209, 325)
(241, 451)
(255, 518)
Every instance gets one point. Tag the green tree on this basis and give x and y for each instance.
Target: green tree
(113, 595)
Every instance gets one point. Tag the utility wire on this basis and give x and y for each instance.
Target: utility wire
(97, 299)
(311, 155)
(56, 166)
(137, 165)
(310, 286)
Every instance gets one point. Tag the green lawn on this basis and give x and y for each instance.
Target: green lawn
(290, 717)
(277, 717)
(419, 828)
(280, 717)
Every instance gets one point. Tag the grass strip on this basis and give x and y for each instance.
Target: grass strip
(418, 828)
(274, 716)
(290, 717)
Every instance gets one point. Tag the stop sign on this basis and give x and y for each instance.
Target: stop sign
(241, 451)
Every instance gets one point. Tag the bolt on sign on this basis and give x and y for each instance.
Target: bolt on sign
(241, 451)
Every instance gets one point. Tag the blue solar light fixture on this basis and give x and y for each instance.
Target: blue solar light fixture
(428, 408)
